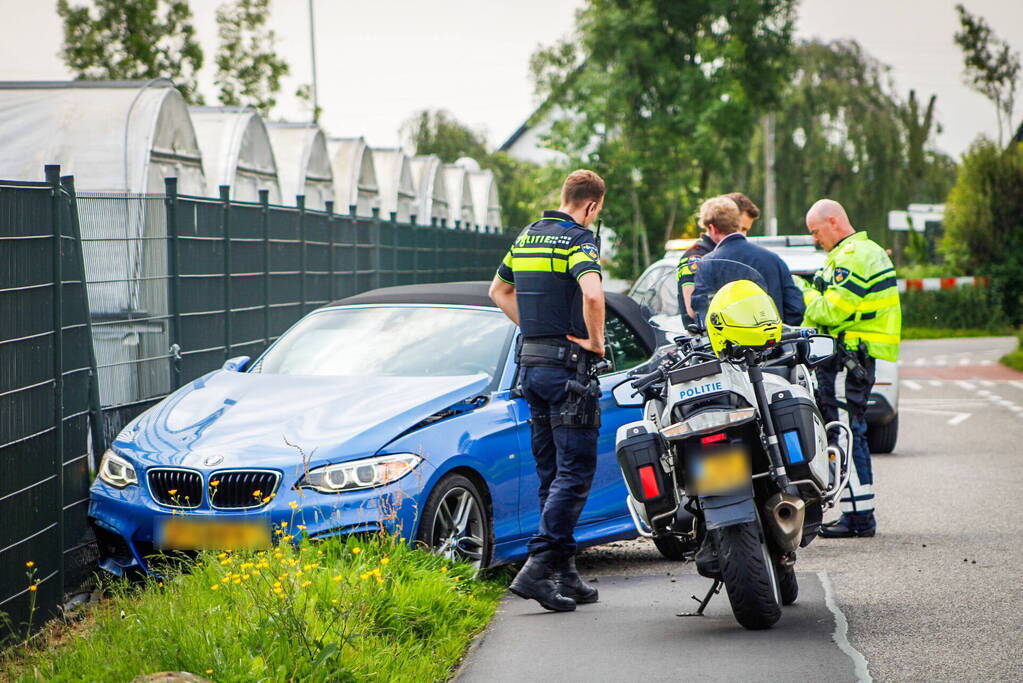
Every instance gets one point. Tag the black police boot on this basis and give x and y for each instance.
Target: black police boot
(571, 585)
(533, 582)
(843, 528)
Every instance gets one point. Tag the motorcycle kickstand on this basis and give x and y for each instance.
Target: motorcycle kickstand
(714, 590)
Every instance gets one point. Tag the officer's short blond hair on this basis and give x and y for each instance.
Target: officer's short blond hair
(582, 186)
(722, 213)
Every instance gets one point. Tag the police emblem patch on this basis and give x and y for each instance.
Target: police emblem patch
(840, 275)
(591, 251)
(694, 264)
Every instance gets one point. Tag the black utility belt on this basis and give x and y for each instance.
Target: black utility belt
(551, 354)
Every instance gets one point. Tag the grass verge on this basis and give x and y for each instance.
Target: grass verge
(1014, 359)
(944, 333)
(340, 610)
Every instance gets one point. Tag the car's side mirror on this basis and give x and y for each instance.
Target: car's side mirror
(625, 396)
(819, 348)
(236, 364)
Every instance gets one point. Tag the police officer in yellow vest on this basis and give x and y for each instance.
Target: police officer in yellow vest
(854, 297)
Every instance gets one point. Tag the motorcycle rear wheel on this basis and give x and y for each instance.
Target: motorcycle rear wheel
(749, 575)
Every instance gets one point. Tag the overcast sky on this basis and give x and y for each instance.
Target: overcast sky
(379, 61)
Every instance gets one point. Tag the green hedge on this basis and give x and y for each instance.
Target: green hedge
(955, 309)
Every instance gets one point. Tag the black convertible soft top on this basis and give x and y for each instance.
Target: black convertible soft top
(475, 293)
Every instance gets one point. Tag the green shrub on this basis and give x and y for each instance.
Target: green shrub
(1014, 359)
(965, 308)
(340, 610)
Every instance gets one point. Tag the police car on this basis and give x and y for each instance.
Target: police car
(656, 288)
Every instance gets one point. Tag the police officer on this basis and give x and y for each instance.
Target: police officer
(855, 298)
(549, 284)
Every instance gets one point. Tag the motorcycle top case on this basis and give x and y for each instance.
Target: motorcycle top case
(801, 437)
(639, 451)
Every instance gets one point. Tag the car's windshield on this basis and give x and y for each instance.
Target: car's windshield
(403, 341)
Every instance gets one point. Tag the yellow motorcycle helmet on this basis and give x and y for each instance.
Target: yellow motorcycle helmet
(742, 313)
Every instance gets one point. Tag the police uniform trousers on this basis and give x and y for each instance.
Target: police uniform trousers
(843, 396)
(566, 458)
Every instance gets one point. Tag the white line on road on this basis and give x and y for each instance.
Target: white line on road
(959, 418)
(987, 383)
(936, 382)
(1016, 383)
(956, 418)
(920, 361)
(841, 634)
(965, 360)
(966, 385)
(987, 362)
(911, 384)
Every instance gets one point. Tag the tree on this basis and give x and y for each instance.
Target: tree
(984, 220)
(249, 71)
(662, 98)
(137, 40)
(992, 68)
(842, 131)
(438, 132)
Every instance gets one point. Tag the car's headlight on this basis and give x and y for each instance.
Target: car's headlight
(360, 474)
(116, 471)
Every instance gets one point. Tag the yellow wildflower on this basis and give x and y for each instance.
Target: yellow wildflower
(209, 671)
(267, 499)
(385, 560)
(301, 527)
(171, 492)
(257, 494)
(443, 570)
(334, 600)
(215, 483)
(287, 537)
(237, 580)
(293, 505)
(32, 588)
(306, 583)
(379, 580)
(222, 555)
(338, 577)
(284, 525)
(215, 587)
(356, 550)
(30, 564)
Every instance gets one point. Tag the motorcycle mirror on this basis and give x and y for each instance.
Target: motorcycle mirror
(625, 396)
(820, 347)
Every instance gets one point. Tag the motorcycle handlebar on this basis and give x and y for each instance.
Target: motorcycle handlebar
(641, 383)
(799, 333)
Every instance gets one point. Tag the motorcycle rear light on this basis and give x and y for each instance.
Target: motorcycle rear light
(713, 438)
(649, 479)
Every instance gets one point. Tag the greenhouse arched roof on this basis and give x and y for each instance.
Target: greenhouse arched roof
(113, 136)
(431, 189)
(460, 208)
(355, 178)
(236, 151)
(303, 165)
(397, 189)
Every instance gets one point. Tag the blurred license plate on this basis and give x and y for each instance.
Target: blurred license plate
(183, 533)
(721, 472)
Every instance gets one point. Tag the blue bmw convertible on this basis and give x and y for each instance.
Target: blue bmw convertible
(394, 409)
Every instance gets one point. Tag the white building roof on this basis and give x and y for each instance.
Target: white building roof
(236, 151)
(114, 136)
(397, 188)
(459, 196)
(355, 179)
(303, 165)
(431, 189)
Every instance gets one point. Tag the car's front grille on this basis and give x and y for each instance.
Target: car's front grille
(234, 489)
(176, 487)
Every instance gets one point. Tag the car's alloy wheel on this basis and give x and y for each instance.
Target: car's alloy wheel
(456, 524)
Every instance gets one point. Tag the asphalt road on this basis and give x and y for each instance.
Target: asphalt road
(937, 595)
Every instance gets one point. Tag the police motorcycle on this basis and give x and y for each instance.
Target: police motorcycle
(732, 456)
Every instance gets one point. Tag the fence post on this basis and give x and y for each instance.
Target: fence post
(300, 203)
(95, 405)
(394, 249)
(264, 217)
(225, 223)
(352, 211)
(170, 203)
(330, 254)
(376, 248)
(52, 173)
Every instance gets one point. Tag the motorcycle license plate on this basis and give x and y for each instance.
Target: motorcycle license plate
(720, 472)
(182, 533)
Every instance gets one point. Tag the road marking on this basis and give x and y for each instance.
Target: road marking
(956, 418)
(936, 382)
(966, 385)
(959, 418)
(1016, 383)
(841, 634)
(987, 383)
(987, 362)
(911, 384)
(920, 361)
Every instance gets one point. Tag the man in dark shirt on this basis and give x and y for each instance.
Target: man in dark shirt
(720, 217)
(549, 284)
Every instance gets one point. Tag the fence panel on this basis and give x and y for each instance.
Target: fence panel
(46, 373)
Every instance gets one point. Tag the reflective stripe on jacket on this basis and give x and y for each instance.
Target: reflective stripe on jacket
(860, 297)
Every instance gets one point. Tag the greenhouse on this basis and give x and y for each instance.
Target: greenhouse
(397, 188)
(456, 182)
(355, 178)
(113, 136)
(431, 190)
(303, 165)
(486, 206)
(236, 152)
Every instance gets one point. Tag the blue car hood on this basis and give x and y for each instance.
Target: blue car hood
(232, 419)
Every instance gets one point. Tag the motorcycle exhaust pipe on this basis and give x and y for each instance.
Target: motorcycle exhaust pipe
(785, 514)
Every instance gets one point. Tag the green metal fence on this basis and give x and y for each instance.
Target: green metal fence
(45, 387)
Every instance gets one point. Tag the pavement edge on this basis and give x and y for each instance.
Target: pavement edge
(840, 636)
